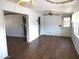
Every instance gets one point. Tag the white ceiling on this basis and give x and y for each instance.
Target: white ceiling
(67, 8)
(43, 6)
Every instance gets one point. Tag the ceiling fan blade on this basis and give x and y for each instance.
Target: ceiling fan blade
(55, 14)
(45, 14)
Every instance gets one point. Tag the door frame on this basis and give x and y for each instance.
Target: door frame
(39, 23)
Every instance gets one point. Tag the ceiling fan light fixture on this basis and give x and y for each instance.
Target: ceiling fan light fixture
(25, 3)
(22, 1)
(59, 1)
(26, 0)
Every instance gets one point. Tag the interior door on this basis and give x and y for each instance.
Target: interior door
(66, 26)
(24, 27)
(39, 25)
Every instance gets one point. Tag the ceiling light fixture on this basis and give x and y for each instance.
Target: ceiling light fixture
(21, 1)
(25, 3)
(59, 1)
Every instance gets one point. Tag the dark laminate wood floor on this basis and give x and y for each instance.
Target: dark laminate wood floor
(45, 47)
(15, 45)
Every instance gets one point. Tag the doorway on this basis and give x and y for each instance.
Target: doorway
(16, 31)
(39, 24)
(66, 26)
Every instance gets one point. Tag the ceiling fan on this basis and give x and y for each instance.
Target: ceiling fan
(50, 13)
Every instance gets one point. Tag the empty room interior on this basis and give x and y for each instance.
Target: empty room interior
(39, 29)
(16, 31)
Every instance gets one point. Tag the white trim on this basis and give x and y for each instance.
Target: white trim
(76, 35)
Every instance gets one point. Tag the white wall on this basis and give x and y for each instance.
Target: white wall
(13, 25)
(50, 26)
(41, 25)
(75, 39)
(3, 44)
(32, 26)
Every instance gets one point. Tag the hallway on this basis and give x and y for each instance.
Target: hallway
(45, 47)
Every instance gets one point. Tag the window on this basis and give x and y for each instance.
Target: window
(75, 21)
(76, 28)
(66, 22)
